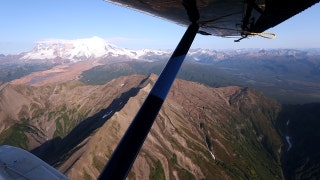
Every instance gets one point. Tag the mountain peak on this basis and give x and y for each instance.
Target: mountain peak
(93, 43)
(74, 50)
(83, 49)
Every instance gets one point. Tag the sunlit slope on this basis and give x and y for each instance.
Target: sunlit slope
(200, 133)
(30, 115)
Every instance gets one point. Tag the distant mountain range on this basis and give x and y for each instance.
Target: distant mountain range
(279, 73)
(98, 48)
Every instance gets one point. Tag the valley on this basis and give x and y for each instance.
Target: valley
(290, 86)
(58, 74)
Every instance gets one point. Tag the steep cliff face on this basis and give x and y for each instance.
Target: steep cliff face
(200, 132)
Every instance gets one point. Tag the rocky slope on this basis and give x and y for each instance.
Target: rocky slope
(200, 133)
(31, 115)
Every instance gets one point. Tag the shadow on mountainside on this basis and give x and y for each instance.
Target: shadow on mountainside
(299, 126)
(58, 150)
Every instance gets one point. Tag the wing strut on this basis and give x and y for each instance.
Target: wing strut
(127, 150)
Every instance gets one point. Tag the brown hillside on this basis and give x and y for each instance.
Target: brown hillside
(200, 132)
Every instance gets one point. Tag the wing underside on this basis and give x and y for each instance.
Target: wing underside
(224, 18)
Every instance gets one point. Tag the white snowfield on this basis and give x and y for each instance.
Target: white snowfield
(82, 49)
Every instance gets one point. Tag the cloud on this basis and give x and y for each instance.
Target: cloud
(53, 41)
(125, 42)
(66, 41)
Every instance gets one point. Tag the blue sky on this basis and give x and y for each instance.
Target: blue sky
(23, 23)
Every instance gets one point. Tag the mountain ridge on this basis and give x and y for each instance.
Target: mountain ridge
(201, 132)
(170, 125)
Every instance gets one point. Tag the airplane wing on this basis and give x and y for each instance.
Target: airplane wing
(224, 18)
(17, 163)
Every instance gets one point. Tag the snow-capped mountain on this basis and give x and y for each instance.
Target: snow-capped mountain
(207, 55)
(95, 47)
(98, 48)
(82, 49)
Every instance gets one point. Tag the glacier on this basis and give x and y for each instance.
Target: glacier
(82, 49)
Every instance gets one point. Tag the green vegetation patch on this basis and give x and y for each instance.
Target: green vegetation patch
(174, 159)
(86, 176)
(157, 173)
(185, 175)
(15, 135)
(97, 163)
(67, 119)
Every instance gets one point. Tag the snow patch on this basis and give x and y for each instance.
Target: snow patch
(107, 114)
(214, 158)
(288, 138)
